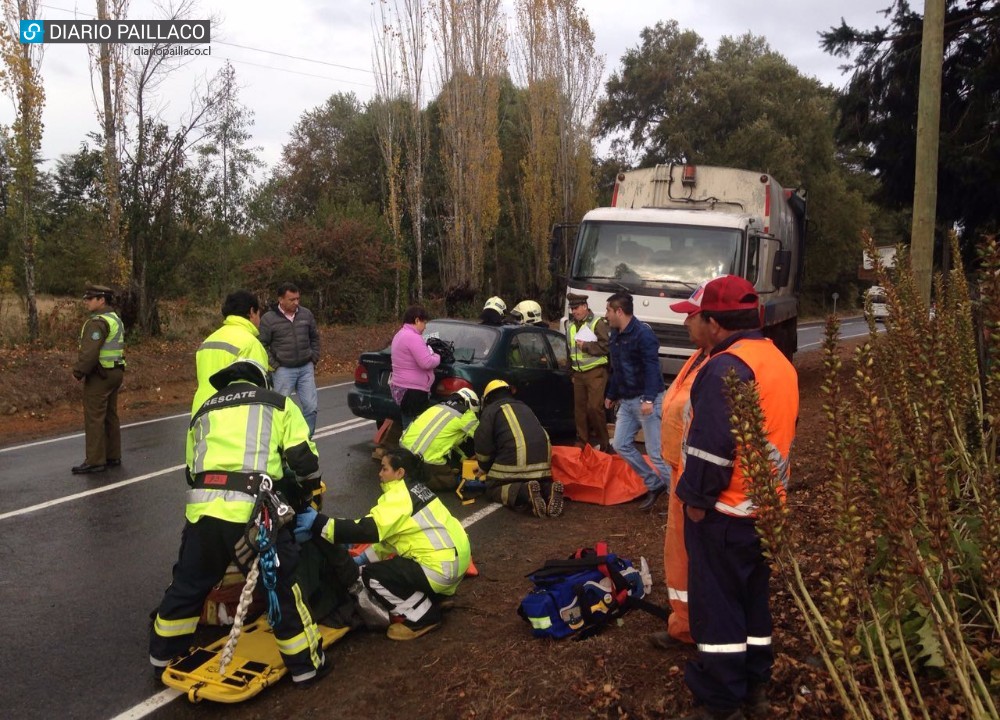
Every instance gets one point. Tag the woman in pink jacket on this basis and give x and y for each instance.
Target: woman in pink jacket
(413, 364)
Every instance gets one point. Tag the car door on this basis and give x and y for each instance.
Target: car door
(529, 369)
(559, 386)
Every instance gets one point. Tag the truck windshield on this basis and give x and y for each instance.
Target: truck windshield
(634, 253)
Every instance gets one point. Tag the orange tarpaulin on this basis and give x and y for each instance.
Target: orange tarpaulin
(592, 476)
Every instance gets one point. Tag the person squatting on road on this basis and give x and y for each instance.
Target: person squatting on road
(437, 435)
(419, 555)
(413, 364)
(101, 366)
(636, 384)
(514, 451)
(675, 560)
(728, 575)
(236, 339)
(243, 431)
(589, 363)
(289, 335)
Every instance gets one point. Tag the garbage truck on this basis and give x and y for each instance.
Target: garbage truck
(674, 226)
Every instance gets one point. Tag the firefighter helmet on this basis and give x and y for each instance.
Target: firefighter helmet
(496, 303)
(493, 385)
(471, 398)
(527, 312)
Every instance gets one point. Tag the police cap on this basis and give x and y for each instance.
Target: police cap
(93, 291)
(575, 299)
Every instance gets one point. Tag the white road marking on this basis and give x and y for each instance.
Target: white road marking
(841, 337)
(130, 425)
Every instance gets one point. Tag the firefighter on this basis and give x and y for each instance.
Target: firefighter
(493, 312)
(437, 435)
(589, 363)
(728, 575)
(237, 338)
(514, 451)
(420, 552)
(243, 431)
(528, 312)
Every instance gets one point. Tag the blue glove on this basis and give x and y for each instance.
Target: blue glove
(304, 520)
(360, 560)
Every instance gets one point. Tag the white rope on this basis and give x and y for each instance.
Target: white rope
(246, 597)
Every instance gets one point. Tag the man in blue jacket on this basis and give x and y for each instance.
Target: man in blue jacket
(636, 384)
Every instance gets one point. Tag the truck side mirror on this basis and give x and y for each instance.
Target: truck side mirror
(782, 268)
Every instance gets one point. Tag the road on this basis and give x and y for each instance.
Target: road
(85, 558)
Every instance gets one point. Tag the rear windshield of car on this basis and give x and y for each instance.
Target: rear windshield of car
(472, 342)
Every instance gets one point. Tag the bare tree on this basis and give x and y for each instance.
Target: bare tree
(22, 81)
(110, 62)
(471, 60)
(385, 63)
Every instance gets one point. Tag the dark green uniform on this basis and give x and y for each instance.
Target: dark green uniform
(513, 448)
(101, 366)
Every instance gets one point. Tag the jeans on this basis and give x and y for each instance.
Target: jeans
(627, 423)
(302, 381)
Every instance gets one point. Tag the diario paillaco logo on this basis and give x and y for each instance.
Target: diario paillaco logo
(175, 32)
(32, 31)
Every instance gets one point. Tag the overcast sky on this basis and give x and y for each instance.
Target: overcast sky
(336, 34)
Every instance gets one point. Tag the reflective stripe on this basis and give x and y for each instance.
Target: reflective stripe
(293, 645)
(435, 425)
(175, 628)
(708, 457)
(447, 576)
(219, 345)
(680, 595)
(744, 509)
(517, 472)
(730, 648)
(581, 361)
(541, 623)
(759, 641)
(204, 495)
(202, 426)
(435, 533)
(515, 428)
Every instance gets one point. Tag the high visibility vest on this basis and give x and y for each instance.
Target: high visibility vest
(579, 360)
(247, 431)
(437, 431)
(413, 523)
(113, 350)
(778, 387)
(236, 339)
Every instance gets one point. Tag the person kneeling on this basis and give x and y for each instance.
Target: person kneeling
(437, 436)
(420, 552)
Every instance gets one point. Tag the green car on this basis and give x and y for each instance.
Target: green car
(533, 360)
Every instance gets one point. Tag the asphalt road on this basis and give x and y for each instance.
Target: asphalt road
(85, 558)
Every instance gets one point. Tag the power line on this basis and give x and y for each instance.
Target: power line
(293, 72)
(293, 57)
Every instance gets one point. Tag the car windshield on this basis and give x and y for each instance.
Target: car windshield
(472, 342)
(654, 253)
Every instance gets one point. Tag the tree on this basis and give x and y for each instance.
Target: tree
(471, 62)
(879, 109)
(22, 81)
(743, 106)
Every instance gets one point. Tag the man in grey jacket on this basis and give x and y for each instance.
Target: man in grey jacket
(288, 333)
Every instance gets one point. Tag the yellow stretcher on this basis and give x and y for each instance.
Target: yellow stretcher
(256, 664)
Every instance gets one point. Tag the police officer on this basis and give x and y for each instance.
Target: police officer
(514, 450)
(728, 575)
(438, 432)
(101, 366)
(241, 432)
(420, 551)
(237, 338)
(589, 361)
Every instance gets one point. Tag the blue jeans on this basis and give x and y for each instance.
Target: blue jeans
(627, 423)
(302, 381)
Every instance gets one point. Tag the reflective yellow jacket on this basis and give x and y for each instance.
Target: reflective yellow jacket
(236, 339)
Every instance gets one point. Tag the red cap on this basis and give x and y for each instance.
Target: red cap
(728, 292)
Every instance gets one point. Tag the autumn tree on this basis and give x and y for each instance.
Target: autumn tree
(22, 81)
(471, 62)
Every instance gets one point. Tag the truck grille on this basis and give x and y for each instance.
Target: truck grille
(672, 335)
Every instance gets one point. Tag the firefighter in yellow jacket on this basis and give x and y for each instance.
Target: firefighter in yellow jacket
(514, 451)
(243, 431)
(437, 436)
(420, 552)
(237, 338)
(101, 367)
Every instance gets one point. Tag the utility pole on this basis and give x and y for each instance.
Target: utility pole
(928, 132)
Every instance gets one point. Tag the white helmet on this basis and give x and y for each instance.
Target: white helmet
(527, 312)
(471, 398)
(495, 303)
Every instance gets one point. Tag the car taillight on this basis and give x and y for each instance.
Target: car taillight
(450, 385)
(361, 375)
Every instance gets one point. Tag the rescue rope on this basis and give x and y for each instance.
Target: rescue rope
(246, 597)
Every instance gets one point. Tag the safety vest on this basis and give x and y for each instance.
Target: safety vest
(413, 523)
(236, 339)
(778, 387)
(113, 350)
(243, 429)
(579, 360)
(437, 431)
